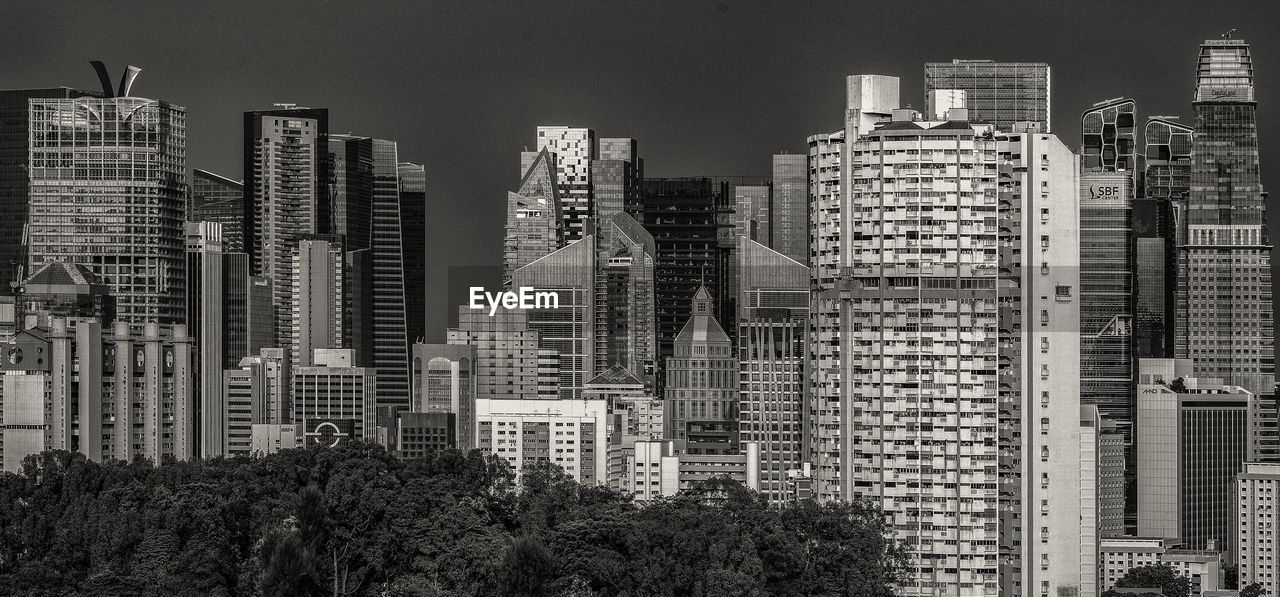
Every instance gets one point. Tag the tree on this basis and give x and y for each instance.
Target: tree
(1254, 590)
(1160, 577)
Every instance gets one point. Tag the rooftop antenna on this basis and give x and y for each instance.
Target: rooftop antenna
(1227, 35)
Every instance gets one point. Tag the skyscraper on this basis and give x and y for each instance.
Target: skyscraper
(996, 93)
(574, 149)
(1107, 136)
(286, 193)
(118, 155)
(824, 366)
(962, 356)
(1224, 308)
(15, 180)
(390, 342)
(316, 298)
(413, 238)
(444, 381)
(507, 355)
(702, 384)
(333, 397)
(615, 178)
(1166, 184)
(789, 207)
(216, 198)
(773, 313)
(751, 212)
(626, 330)
(568, 328)
(535, 224)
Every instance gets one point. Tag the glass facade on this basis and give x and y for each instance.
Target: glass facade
(107, 191)
(1107, 137)
(216, 198)
(789, 207)
(534, 226)
(998, 93)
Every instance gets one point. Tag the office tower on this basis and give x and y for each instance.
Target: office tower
(123, 155)
(1108, 141)
(413, 235)
(940, 102)
(1255, 496)
(59, 289)
(1091, 477)
(568, 328)
(660, 470)
(444, 381)
(823, 425)
(116, 394)
(1224, 313)
(566, 433)
(316, 293)
(702, 384)
(418, 434)
(751, 213)
(626, 330)
(229, 312)
(789, 207)
(686, 217)
(216, 198)
(1194, 436)
(773, 316)
(996, 93)
(574, 149)
(535, 225)
(1167, 182)
(615, 178)
(332, 396)
(1119, 555)
(1106, 298)
(287, 171)
(15, 181)
(961, 345)
(390, 343)
(507, 357)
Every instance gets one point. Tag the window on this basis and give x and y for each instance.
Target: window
(1044, 241)
(1063, 292)
(1044, 425)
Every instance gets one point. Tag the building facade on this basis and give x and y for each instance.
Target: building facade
(996, 93)
(574, 149)
(120, 155)
(789, 207)
(333, 399)
(216, 198)
(570, 433)
(702, 385)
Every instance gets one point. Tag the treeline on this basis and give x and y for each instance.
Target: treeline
(355, 521)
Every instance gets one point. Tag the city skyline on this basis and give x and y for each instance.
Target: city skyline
(685, 103)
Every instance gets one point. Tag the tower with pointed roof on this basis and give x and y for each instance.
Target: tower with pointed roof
(702, 384)
(534, 226)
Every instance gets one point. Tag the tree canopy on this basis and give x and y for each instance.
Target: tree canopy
(354, 520)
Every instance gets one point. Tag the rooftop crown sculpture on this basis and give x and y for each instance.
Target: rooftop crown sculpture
(126, 80)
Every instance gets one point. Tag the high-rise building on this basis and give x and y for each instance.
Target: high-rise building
(1166, 184)
(229, 312)
(996, 93)
(507, 359)
(568, 327)
(626, 331)
(1256, 488)
(574, 149)
(615, 178)
(1194, 436)
(444, 381)
(1112, 450)
(535, 225)
(824, 367)
(1108, 140)
(702, 384)
(15, 179)
(287, 170)
(961, 348)
(773, 314)
(121, 155)
(1224, 301)
(60, 289)
(789, 207)
(660, 470)
(390, 341)
(634, 414)
(117, 395)
(331, 397)
(1119, 555)
(413, 238)
(216, 198)
(751, 213)
(687, 218)
(567, 433)
(316, 296)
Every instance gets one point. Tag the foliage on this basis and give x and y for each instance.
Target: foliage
(353, 520)
(1161, 577)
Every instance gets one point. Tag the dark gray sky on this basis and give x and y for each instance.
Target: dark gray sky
(710, 88)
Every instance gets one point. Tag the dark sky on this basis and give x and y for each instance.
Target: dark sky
(708, 88)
